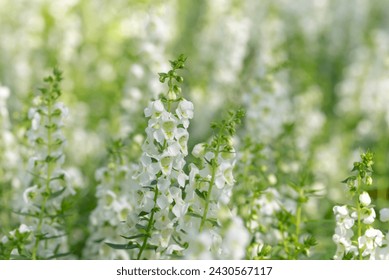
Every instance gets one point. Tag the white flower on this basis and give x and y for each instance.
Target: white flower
(184, 112)
(163, 201)
(364, 199)
(182, 136)
(109, 198)
(24, 228)
(269, 202)
(180, 207)
(370, 241)
(166, 164)
(30, 194)
(4, 92)
(168, 126)
(198, 150)
(162, 220)
(163, 184)
(342, 216)
(155, 109)
(342, 239)
(382, 253)
(369, 216)
(224, 175)
(161, 239)
(341, 210)
(209, 155)
(4, 239)
(35, 118)
(235, 240)
(384, 215)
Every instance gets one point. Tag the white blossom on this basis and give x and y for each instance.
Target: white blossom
(364, 199)
(384, 215)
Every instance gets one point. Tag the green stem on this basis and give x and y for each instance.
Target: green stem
(212, 181)
(208, 199)
(297, 224)
(284, 242)
(47, 182)
(149, 225)
(359, 223)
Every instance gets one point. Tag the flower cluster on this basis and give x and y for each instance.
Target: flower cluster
(115, 200)
(9, 155)
(357, 219)
(154, 226)
(44, 205)
(208, 196)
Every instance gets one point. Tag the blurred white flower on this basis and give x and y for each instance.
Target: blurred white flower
(384, 215)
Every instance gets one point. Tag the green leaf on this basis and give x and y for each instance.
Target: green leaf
(26, 214)
(123, 246)
(143, 213)
(19, 257)
(193, 214)
(151, 247)
(213, 222)
(61, 255)
(57, 193)
(52, 237)
(141, 227)
(202, 194)
(59, 177)
(134, 236)
(351, 178)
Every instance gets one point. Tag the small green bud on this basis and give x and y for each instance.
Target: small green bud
(369, 180)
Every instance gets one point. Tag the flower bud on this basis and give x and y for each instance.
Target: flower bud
(369, 181)
(364, 199)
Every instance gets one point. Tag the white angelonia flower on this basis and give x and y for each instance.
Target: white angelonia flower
(370, 241)
(166, 164)
(30, 194)
(181, 207)
(343, 217)
(155, 109)
(384, 215)
(115, 203)
(341, 210)
(163, 202)
(382, 253)
(269, 202)
(163, 222)
(4, 93)
(208, 194)
(11, 163)
(226, 173)
(209, 155)
(364, 199)
(24, 228)
(161, 172)
(182, 137)
(369, 216)
(185, 110)
(200, 245)
(35, 118)
(343, 232)
(49, 183)
(168, 125)
(108, 199)
(198, 150)
(235, 240)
